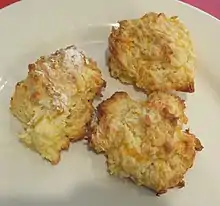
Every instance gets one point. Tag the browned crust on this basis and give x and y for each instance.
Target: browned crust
(39, 77)
(198, 144)
(190, 88)
(103, 110)
(180, 185)
(119, 44)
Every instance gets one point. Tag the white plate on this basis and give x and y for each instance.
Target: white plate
(35, 27)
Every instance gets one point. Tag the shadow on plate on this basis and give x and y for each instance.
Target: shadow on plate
(92, 195)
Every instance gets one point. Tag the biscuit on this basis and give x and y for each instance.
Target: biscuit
(144, 141)
(153, 53)
(54, 101)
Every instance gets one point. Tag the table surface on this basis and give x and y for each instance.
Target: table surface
(211, 6)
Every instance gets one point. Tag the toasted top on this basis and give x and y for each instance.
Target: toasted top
(161, 112)
(54, 102)
(54, 81)
(144, 140)
(156, 43)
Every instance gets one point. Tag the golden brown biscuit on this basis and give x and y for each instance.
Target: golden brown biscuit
(54, 102)
(154, 53)
(144, 141)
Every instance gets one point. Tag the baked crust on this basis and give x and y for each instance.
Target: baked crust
(154, 53)
(144, 141)
(54, 102)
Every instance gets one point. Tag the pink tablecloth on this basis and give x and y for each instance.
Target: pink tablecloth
(4, 3)
(210, 6)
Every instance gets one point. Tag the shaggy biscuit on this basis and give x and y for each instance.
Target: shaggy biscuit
(144, 141)
(154, 53)
(54, 102)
